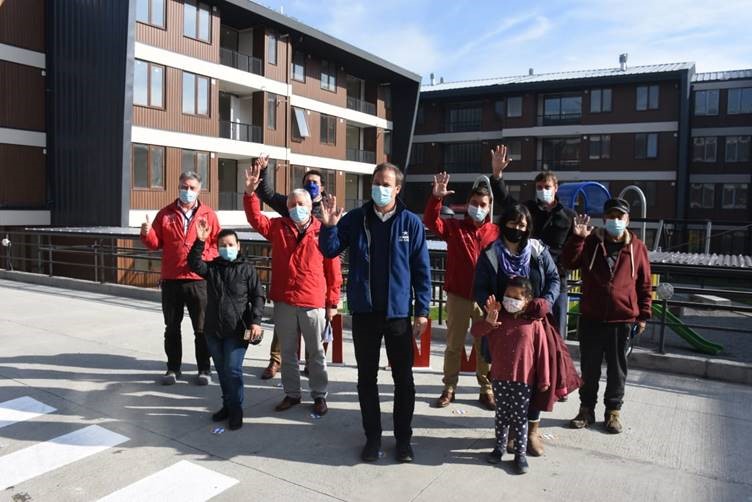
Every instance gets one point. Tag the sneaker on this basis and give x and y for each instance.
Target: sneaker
(170, 378)
(585, 418)
(405, 453)
(613, 424)
(371, 451)
(203, 378)
(222, 414)
(520, 462)
(495, 456)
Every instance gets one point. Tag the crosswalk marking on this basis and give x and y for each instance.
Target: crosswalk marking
(40, 458)
(184, 482)
(20, 409)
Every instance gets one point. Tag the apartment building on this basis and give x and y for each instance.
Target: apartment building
(137, 91)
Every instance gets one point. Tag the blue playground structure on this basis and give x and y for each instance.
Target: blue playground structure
(586, 197)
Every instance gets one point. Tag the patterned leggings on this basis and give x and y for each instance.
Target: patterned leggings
(512, 403)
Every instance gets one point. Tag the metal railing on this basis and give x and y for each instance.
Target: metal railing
(561, 118)
(360, 155)
(558, 165)
(361, 105)
(463, 125)
(240, 131)
(230, 201)
(251, 64)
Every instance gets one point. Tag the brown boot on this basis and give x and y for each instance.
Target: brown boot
(487, 400)
(613, 424)
(585, 418)
(270, 370)
(534, 443)
(444, 399)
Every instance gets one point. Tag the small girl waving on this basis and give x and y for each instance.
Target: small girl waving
(520, 361)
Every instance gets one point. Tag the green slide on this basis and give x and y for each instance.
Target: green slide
(697, 342)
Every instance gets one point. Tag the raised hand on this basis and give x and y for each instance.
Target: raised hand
(499, 160)
(202, 229)
(262, 161)
(419, 326)
(330, 214)
(492, 311)
(146, 226)
(252, 177)
(440, 182)
(582, 227)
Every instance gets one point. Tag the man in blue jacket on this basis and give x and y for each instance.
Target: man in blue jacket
(389, 266)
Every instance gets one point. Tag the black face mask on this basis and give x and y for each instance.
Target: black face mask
(513, 234)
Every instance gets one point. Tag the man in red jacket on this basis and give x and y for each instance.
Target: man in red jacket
(616, 295)
(465, 240)
(174, 231)
(303, 303)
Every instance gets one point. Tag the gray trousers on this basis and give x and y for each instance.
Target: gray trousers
(289, 321)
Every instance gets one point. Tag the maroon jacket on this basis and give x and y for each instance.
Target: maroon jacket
(619, 297)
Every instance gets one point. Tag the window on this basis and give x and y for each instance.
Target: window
(647, 97)
(196, 94)
(463, 118)
(328, 76)
(734, 196)
(416, 154)
(197, 21)
(702, 195)
(514, 148)
(271, 111)
(271, 48)
(562, 109)
(148, 166)
(462, 157)
(298, 66)
(151, 12)
(600, 147)
(198, 162)
(387, 143)
(499, 109)
(561, 153)
(739, 101)
(328, 129)
(388, 97)
(300, 124)
(704, 149)
(738, 149)
(148, 84)
(706, 102)
(600, 100)
(646, 146)
(514, 106)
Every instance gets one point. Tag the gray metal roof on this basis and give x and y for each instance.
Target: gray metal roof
(722, 75)
(701, 260)
(566, 75)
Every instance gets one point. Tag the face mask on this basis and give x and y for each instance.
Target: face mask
(546, 195)
(513, 305)
(229, 254)
(381, 195)
(313, 189)
(513, 234)
(477, 213)
(188, 196)
(615, 227)
(299, 214)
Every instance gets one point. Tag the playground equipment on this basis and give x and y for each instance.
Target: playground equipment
(587, 197)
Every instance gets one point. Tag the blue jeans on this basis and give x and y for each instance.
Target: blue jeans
(561, 306)
(228, 355)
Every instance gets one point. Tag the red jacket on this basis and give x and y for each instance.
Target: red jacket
(167, 234)
(464, 241)
(297, 267)
(619, 297)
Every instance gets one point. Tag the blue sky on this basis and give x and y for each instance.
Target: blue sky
(463, 40)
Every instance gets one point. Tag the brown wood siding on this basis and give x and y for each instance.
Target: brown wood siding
(21, 97)
(25, 166)
(313, 146)
(311, 88)
(172, 117)
(22, 24)
(171, 36)
(277, 135)
(156, 199)
(624, 105)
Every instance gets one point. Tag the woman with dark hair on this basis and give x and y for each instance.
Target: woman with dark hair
(513, 254)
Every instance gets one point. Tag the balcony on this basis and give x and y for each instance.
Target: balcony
(240, 132)
(559, 165)
(563, 118)
(244, 62)
(462, 166)
(230, 201)
(361, 155)
(361, 106)
(463, 126)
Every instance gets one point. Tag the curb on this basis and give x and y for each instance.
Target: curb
(695, 366)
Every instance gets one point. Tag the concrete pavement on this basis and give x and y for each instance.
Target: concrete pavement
(95, 358)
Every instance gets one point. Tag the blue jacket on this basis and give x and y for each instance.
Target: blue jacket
(409, 270)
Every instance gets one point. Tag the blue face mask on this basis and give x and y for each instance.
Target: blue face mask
(615, 227)
(229, 254)
(299, 214)
(381, 195)
(313, 189)
(188, 196)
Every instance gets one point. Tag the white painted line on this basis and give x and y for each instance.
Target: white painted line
(183, 482)
(20, 409)
(40, 458)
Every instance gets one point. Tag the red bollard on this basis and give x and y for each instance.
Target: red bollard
(468, 362)
(337, 357)
(422, 355)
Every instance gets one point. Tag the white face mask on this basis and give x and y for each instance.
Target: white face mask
(477, 213)
(546, 195)
(513, 305)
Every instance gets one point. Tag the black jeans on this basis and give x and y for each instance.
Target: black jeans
(176, 295)
(599, 339)
(368, 329)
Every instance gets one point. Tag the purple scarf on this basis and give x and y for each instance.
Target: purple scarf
(513, 265)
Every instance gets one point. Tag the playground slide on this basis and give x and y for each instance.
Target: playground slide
(697, 342)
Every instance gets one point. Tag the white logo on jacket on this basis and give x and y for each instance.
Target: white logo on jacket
(405, 237)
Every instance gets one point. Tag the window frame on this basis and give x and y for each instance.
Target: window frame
(331, 80)
(149, 22)
(204, 179)
(705, 93)
(149, 158)
(645, 156)
(198, 7)
(272, 48)
(742, 92)
(149, 66)
(601, 100)
(325, 126)
(739, 140)
(702, 187)
(196, 79)
(735, 187)
(271, 111)
(603, 139)
(508, 109)
(302, 65)
(648, 97)
(705, 144)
